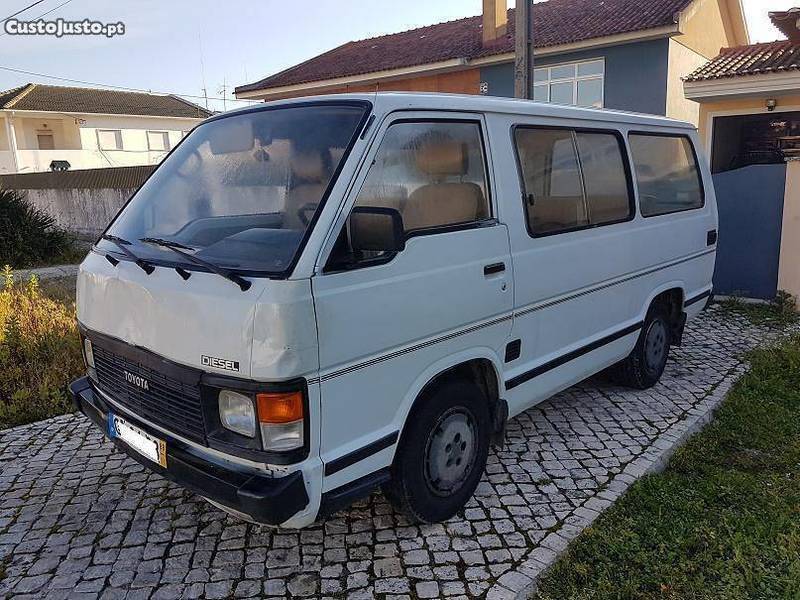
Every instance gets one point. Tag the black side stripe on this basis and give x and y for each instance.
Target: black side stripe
(355, 456)
(697, 299)
(397, 353)
(570, 356)
(603, 286)
(516, 313)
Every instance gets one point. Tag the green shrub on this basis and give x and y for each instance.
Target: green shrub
(40, 353)
(29, 236)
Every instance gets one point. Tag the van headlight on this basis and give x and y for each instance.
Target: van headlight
(237, 413)
(281, 419)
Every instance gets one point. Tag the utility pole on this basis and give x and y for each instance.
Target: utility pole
(523, 64)
(224, 91)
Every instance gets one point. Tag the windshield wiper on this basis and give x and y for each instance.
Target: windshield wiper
(177, 247)
(165, 243)
(123, 245)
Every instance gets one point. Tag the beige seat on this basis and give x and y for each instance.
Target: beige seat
(311, 178)
(443, 203)
(557, 213)
(384, 195)
(607, 209)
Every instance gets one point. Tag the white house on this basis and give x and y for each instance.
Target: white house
(85, 128)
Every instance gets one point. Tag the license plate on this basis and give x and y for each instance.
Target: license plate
(144, 443)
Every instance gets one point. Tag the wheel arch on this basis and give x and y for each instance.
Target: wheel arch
(674, 293)
(675, 290)
(481, 365)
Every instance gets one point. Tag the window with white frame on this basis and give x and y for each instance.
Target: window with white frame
(109, 139)
(579, 83)
(158, 140)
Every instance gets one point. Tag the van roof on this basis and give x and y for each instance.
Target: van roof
(392, 101)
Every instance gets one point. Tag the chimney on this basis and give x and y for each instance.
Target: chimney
(495, 19)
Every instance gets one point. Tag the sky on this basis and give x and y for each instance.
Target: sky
(186, 46)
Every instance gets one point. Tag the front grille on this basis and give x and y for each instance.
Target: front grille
(167, 402)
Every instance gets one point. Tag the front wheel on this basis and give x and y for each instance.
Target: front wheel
(644, 366)
(442, 453)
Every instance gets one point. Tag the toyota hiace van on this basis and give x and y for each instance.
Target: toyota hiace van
(310, 299)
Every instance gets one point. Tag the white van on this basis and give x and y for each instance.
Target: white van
(312, 298)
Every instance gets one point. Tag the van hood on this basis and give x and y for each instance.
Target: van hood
(206, 322)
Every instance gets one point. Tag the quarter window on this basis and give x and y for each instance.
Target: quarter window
(579, 84)
(572, 179)
(432, 173)
(666, 174)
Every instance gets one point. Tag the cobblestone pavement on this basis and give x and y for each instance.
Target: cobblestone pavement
(78, 519)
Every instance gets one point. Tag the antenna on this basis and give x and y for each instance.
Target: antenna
(202, 68)
(224, 90)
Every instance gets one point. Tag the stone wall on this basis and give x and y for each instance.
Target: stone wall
(83, 212)
(83, 201)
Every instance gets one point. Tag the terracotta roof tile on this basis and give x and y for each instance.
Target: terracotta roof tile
(8, 95)
(556, 22)
(107, 178)
(787, 22)
(34, 96)
(756, 59)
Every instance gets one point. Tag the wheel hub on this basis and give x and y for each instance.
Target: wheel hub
(450, 452)
(655, 344)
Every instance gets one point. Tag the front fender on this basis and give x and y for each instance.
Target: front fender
(437, 368)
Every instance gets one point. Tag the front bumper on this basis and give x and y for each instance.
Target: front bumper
(269, 500)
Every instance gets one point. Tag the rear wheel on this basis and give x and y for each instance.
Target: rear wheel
(442, 453)
(645, 365)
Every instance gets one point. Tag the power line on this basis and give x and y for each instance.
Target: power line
(44, 14)
(23, 10)
(52, 10)
(115, 87)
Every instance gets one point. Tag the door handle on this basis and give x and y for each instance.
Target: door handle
(711, 237)
(494, 269)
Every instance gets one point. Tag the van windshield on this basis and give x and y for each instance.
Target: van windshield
(241, 191)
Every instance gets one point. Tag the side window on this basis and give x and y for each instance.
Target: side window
(605, 178)
(572, 179)
(431, 172)
(666, 174)
(551, 174)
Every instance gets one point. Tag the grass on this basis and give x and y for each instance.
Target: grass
(39, 349)
(73, 254)
(722, 522)
(779, 313)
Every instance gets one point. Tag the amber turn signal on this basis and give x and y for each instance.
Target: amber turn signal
(280, 407)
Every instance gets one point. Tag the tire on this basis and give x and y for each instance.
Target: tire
(643, 367)
(442, 453)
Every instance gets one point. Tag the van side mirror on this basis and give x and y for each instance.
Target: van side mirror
(377, 229)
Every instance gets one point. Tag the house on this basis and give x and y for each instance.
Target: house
(47, 127)
(750, 86)
(749, 122)
(621, 54)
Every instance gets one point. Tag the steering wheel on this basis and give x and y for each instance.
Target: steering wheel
(303, 213)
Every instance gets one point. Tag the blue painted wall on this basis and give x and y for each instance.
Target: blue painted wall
(636, 75)
(750, 205)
